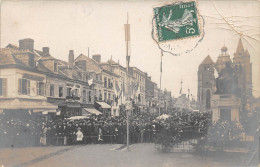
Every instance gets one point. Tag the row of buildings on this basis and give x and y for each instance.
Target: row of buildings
(34, 81)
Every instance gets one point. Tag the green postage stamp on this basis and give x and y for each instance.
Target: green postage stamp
(177, 21)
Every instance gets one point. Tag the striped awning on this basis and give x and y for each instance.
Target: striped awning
(103, 105)
(91, 111)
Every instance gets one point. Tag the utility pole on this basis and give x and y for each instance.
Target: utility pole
(160, 84)
(127, 40)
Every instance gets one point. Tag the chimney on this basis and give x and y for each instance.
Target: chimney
(71, 56)
(97, 58)
(45, 51)
(27, 43)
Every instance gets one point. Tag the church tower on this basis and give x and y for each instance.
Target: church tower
(241, 63)
(206, 83)
(243, 67)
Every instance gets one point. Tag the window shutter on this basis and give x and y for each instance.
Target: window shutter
(4, 86)
(38, 88)
(20, 86)
(1, 89)
(44, 89)
(28, 87)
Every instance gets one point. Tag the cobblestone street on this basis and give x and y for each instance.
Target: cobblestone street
(140, 155)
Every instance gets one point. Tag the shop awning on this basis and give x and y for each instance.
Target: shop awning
(103, 105)
(26, 104)
(77, 117)
(92, 111)
(49, 111)
(44, 111)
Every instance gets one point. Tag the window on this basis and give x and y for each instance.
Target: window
(100, 95)
(105, 82)
(68, 91)
(40, 88)
(95, 94)
(105, 96)
(51, 90)
(84, 95)
(24, 86)
(114, 112)
(97, 77)
(114, 99)
(55, 67)
(60, 91)
(75, 93)
(89, 96)
(109, 83)
(3, 86)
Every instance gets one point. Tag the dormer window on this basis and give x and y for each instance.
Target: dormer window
(55, 67)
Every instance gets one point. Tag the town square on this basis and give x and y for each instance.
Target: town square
(129, 83)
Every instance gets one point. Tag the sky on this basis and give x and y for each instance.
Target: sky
(99, 26)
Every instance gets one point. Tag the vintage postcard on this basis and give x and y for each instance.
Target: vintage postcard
(140, 83)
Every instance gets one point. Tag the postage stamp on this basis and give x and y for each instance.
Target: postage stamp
(177, 21)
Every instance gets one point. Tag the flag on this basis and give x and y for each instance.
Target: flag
(90, 82)
(117, 89)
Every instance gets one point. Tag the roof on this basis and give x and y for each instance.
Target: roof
(207, 60)
(109, 72)
(6, 57)
(240, 48)
(11, 46)
(247, 53)
(222, 59)
(10, 56)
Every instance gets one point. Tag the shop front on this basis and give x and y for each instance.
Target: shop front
(103, 107)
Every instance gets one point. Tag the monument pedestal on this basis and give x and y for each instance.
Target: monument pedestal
(225, 107)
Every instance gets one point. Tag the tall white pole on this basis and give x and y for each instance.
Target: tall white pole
(127, 36)
(127, 129)
(160, 84)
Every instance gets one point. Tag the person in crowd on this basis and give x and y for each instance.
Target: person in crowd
(79, 136)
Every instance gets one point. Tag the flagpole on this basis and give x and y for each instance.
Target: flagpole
(160, 84)
(127, 34)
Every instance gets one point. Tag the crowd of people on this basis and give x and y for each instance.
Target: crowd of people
(144, 127)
